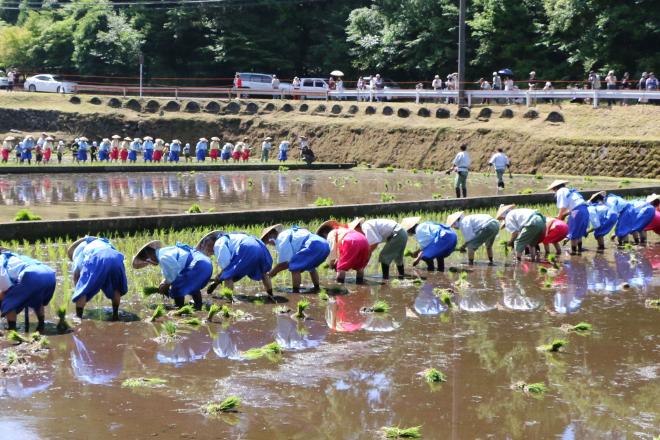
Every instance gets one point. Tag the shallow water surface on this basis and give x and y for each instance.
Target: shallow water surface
(114, 194)
(344, 374)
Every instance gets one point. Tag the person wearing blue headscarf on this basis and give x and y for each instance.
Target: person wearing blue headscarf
(97, 265)
(571, 204)
(298, 250)
(239, 255)
(200, 149)
(24, 282)
(148, 147)
(175, 150)
(602, 218)
(26, 149)
(83, 146)
(134, 149)
(104, 150)
(185, 270)
(437, 242)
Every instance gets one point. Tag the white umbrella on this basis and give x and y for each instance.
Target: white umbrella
(337, 73)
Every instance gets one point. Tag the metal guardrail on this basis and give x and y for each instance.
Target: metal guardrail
(417, 95)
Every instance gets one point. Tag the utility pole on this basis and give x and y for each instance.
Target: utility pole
(141, 60)
(461, 52)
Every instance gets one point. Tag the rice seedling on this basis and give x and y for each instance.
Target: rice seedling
(323, 201)
(185, 310)
(14, 336)
(396, 432)
(62, 325)
(269, 350)
(24, 215)
(323, 295)
(436, 196)
(194, 209)
(538, 176)
(554, 346)
(230, 404)
(547, 283)
(428, 171)
(150, 290)
(12, 357)
(582, 327)
(380, 306)
(158, 312)
(387, 197)
(169, 329)
(588, 179)
(526, 191)
(417, 282)
(227, 294)
(624, 182)
(433, 375)
(390, 169)
(505, 246)
(538, 388)
(414, 171)
(462, 281)
(552, 259)
(283, 169)
(445, 296)
(225, 311)
(143, 382)
(652, 303)
(543, 270)
(300, 308)
(213, 310)
(193, 322)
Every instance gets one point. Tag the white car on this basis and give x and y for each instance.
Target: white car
(4, 82)
(317, 85)
(48, 83)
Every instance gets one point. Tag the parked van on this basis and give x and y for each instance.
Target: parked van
(258, 81)
(317, 85)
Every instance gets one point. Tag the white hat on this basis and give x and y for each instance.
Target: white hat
(332, 224)
(453, 218)
(213, 235)
(71, 249)
(148, 138)
(410, 222)
(215, 138)
(599, 193)
(138, 260)
(106, 140)
(503, 210)
(278, 227)
(556, 183)
(356, 222)
(653, 197)
(116, 136)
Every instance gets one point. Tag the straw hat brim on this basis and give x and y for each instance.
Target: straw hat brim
(127, 139)
(83, 139)
(453, 218)
(211, 235)
(71, 249)
(332, 224)
(410, 222)
(203, 139)
(10, 138)
(556, 183)
(278, 227)
(652, 198)
(215, 138)
(148, 138)
(116, 136)
(139, 263)
(355, 223)
(49, 138)
(599, 193)
(503, 209)
(268, 138)
(176, 141)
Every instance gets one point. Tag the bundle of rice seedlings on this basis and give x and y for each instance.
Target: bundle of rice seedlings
(433, 375)
(552, 259)
(225, 311)
(505, 245)
(14, 336)
(300, 308)
(143, 382)
(582, 327)
(380, 306)
(445, 296)
(268, 350)
(281, 310)
(194, 322)
(227, 293)
(150, 290)
(535, 388)
(40, 339)
(543, 270)
(230, 404)
(62, 325)
(169, 329)
(213, 310)
(554, 346)
(25, 215)
(12, 357)
(418, 282)
(185, 310)
(652, 303)
(396, 432)
(194, 209)
(158, 312)
(323, 295)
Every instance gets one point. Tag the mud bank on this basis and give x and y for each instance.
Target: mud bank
(416, 141)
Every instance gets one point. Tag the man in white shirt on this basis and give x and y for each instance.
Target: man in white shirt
(477, 230)
(500, 162)
(526, 226)
(386, 231)
(461, 165)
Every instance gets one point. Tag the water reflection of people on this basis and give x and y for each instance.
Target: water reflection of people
(191, 348)
(514, 296)
(472, 300)
(96, 360)
(343, 313)
(374, 385)
(20, 387)
(296, 334)
(572, 287)
(230, 342)
(602, 277)
(427, 303)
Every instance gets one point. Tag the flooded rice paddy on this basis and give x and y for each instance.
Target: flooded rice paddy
(344, 374)
(116, 194)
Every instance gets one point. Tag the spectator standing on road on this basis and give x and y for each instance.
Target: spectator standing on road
(372, 87)
(594, 80)
(497, 81)
(547, 87)
(611, 82)
(266, 146)
(340, 87)
(625, 85)
(641, 86)
(461, 165)
(361, 88)
(11, 79)
(485, 86)
(296, 86)
(652, 83)
(275, 84)
(238, 84)
(500, 162)
(436, 85)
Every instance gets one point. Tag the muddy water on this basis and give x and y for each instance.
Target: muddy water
(344, 375)
(96, 195)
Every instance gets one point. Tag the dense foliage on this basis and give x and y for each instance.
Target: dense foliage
(406, 40)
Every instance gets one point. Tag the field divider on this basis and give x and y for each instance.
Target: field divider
(38, 230)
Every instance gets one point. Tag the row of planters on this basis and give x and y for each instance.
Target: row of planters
(234, 107)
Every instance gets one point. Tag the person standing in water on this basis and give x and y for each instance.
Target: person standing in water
(571, 204)
(97, 265)
(298, 251)
(461, 165)
(500, 162)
